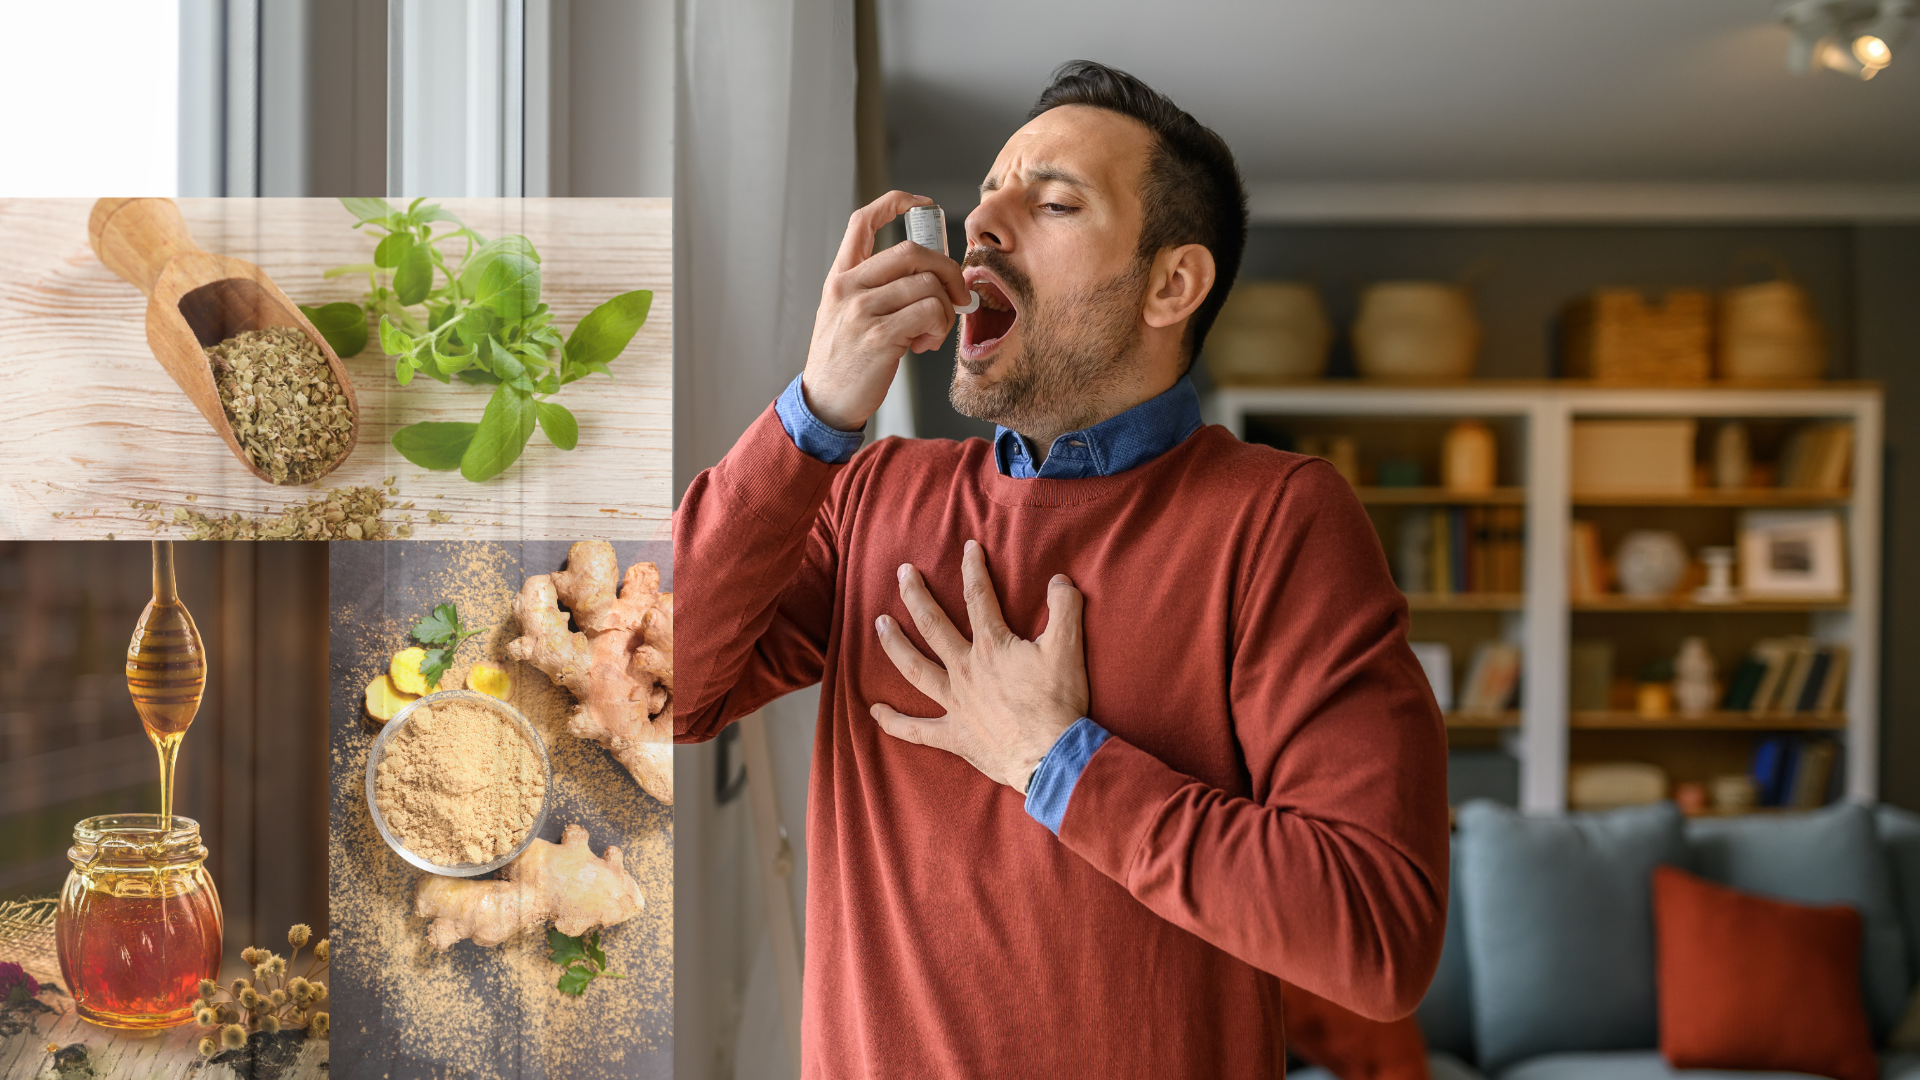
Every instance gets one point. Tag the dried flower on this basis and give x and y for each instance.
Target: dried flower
(208, 1047)
(262, 972)
(299, 988)
(233, 1037)
(240, 987)
(250, 998)
(208, 988)
(317, 994)
(320, 951)
(205, 1017)
(318, 1025)
(269, 1023)
(279, 998)
(277, 965)
(16, 986)
(250, 956)
(299, 935)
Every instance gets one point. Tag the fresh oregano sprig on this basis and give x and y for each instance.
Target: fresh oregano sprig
(453, 304)
(581, 959)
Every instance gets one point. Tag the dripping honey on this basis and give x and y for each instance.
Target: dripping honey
(166, 669)
(139, 923)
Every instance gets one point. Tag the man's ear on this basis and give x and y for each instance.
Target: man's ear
(1180, 279)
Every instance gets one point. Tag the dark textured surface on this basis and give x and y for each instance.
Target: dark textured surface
(503, 1037)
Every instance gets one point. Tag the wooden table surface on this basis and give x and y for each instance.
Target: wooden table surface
(119, 1055)
(93, 422)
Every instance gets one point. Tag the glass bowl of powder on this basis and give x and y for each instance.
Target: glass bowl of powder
(458, 783)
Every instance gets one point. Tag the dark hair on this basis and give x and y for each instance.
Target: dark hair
(1191, 193)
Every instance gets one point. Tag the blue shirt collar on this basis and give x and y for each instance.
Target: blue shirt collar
(1111, 446)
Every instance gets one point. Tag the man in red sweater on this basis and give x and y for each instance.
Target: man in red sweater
(1118, 724)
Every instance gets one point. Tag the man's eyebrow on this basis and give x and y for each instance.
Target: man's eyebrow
(1041, 174)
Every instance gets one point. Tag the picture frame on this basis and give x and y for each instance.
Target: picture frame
(1792, 555)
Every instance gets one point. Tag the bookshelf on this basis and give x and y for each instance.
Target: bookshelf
(1533, 421)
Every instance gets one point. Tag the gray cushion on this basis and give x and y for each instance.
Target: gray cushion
(1630, 1065)
(1896, 1067)
(1559, 927)
(1900, 839)
(1440, 1066)
(1446, 1013)
(1829, 856)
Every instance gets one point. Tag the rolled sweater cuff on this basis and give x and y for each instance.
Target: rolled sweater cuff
(811, 434)
(1120, 797)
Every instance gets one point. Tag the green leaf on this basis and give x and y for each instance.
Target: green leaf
(504, 430)
(575, 981)
(477, 377)
(475, 324)
(436, 213)
(434, 444)
(566, 948)
(486, 253)
(509, 286)
(365, 209)
(403, 370)
(549, 383)
(561, 428)
(604, 333)
(393, 340)
(414, 279)
(504, 364)
(593, 950)
(343, 324)
(435, 664)
(391, 249)
(439, 627)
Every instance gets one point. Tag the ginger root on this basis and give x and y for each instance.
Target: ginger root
(384, 699)
(489, 678)
(405, 671)
(618, 665)
(561, 883)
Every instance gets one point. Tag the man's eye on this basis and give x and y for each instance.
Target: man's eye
(1058, 208)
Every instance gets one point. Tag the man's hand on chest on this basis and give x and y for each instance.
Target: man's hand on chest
(1007, 699)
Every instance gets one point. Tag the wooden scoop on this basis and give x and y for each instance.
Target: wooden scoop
(196, 299)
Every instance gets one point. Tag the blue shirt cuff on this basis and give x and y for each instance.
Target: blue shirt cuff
(1052, 784)
(815, 439)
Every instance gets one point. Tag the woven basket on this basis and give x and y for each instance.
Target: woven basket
(1268, 331)
(1618, 336)
(1770, 331)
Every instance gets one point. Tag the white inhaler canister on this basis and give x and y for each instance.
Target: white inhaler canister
(927, 226)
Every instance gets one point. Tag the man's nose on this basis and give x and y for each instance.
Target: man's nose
(987, 226)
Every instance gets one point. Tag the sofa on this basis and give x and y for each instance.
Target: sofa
(1548, 968)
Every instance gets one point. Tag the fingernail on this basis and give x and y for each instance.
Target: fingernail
(1061, 579)
(972, 545)
(905, 569)
(880, 624)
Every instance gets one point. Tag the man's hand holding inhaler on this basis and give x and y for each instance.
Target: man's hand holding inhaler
(874, 308)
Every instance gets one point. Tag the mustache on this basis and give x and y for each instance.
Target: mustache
(1015, 279)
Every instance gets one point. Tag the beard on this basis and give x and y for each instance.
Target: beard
(1075, 352)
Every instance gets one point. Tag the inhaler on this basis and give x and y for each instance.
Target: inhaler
(927, 226)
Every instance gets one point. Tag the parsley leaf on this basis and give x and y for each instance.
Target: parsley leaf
(441, 629)
(582, 958)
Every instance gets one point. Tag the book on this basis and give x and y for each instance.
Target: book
(1440, 560)
(1742, 683)
(1833, 687)
(1775, 653)
(1793, 680)
(1458, 541)
(1817, 457)
(1491, 679)
(1586, 567)
(1812, 775)
(1816, 676)
(1769, 761)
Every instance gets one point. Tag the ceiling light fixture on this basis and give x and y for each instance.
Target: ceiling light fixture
(1852, 37)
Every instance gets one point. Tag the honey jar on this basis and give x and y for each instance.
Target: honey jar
(139, 921)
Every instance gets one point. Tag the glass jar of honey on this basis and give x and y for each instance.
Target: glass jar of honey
(139, 922)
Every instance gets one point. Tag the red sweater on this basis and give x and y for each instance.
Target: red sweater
(1272, 804)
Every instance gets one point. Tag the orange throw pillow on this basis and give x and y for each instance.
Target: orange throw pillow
(1752, 983)
(1349, 1045)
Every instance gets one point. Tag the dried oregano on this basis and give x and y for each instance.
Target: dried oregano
(340, 514)
(283, 403)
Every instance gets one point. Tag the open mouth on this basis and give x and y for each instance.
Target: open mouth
(982, 331)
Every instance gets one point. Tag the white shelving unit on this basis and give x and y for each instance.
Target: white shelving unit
(1543, 623)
